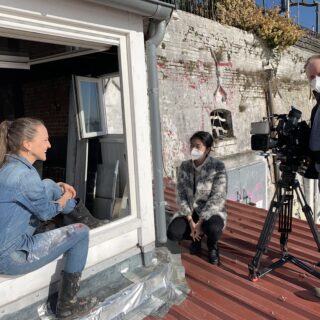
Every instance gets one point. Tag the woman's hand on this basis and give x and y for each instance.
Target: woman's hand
(64, 198)
(198, 230)
(67, 188)
(195, 232)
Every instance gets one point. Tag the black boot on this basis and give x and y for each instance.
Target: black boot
(214, 254)
(195, 247)
(69, 306)
(81, 214)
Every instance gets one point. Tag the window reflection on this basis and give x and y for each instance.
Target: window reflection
(113, 105)
(90, 105)
(92, 117)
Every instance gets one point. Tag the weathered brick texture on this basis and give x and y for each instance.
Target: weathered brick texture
(188, 78)
(48, 100)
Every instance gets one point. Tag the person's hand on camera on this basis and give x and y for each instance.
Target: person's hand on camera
(302, 169)
(66, 187)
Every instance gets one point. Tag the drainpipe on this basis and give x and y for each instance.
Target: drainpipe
(160, 12)
(157, 31)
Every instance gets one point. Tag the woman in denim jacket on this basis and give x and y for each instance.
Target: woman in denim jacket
(25, 198)
(202, 191)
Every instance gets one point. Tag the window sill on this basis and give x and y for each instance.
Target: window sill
(217, 143)
(97, 236)
(114, 229)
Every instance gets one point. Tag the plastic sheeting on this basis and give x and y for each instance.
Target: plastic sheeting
(153, 291)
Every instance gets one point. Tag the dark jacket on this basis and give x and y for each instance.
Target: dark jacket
(315, 154)
(311, 172)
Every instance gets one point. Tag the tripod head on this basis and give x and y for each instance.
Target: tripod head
(288, 176)
(288, 169)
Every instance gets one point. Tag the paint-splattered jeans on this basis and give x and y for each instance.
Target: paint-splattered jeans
(72, 241)
(42, 248)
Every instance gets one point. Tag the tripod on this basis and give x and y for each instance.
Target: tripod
(281, 207)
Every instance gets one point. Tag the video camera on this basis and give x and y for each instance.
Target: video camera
(288, 139)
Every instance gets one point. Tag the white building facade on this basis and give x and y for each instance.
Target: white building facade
(94, 27)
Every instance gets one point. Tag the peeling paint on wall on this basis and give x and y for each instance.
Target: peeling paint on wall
(193, 82)
(173, 148)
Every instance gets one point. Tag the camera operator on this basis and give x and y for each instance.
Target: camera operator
(312, 69)
(293, 144)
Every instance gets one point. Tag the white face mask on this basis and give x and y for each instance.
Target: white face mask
(196, 154)
(315, 84)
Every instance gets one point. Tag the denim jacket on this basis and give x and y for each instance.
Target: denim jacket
(22, 197)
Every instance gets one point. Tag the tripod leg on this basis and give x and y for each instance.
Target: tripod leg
(285, 219)
(273, 266)
(265, 235)
(284, 242)
(281, 205)
(303, 266)
(308, 213)
(292, 259)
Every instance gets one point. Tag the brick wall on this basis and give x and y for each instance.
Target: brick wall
(48, 100)
(188, 78)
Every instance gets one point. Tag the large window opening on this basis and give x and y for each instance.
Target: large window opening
(77, 93)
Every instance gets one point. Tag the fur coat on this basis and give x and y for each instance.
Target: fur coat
(208, 196)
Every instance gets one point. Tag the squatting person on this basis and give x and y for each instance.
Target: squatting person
(201, 191)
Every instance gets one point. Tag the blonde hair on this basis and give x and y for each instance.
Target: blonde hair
(13, 133)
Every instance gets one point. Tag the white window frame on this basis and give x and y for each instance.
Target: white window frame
(45, 24)
(30, 26)
(83, 132)
(104, 78)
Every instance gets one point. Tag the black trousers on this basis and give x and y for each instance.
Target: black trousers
(179, 229)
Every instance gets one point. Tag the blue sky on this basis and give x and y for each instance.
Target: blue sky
(307, 16)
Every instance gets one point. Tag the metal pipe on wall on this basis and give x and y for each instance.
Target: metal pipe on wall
(317, 17)
(159, 12)
(157, 32)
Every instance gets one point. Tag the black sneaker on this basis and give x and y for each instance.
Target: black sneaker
(214, 256)
(195, 247)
